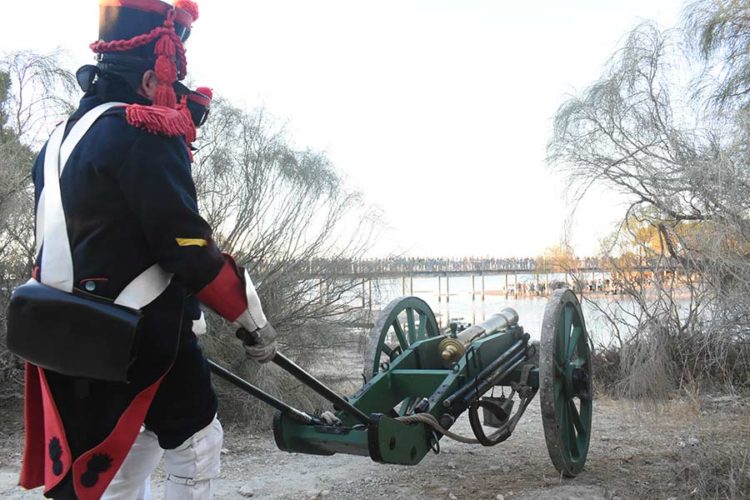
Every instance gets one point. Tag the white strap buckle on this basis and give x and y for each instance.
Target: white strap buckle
(185, 481)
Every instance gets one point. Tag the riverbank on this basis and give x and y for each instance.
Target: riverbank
(687, 448)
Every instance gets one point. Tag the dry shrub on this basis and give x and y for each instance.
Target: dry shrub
(320, 349)
(606, 369)
(712, 469)
(646, 367)
(738, 365)
(656, 367)
(239, 407)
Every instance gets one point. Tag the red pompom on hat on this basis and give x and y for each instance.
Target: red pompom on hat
(201, 96)
(188, 6)
(206, 91)
(198, 103)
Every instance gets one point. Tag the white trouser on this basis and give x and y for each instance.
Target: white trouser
(190, 467)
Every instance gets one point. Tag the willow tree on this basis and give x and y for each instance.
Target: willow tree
(718, 31)
(35, 92)
(644, 131)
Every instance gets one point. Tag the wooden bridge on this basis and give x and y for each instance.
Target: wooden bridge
(545, 273)
(586, 275)
(395, 268)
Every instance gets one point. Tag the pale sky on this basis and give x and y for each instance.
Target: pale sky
(437, 110)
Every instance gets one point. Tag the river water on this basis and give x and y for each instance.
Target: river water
(346, 367)
(459, 306)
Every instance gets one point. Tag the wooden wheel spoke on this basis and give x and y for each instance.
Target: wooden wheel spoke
(575, 337)
(573, 444)
(568, 428)
(567, 323)
(400, 334)
(422, 326)
(411, 327)
(559, 370)
(575, 417)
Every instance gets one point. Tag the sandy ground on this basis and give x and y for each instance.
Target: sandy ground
(682, 449)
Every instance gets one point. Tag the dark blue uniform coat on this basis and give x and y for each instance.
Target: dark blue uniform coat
(129, 202)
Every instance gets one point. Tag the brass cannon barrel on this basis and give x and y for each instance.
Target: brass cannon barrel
(452, 348)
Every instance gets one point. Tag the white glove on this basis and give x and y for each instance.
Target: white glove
(255, 331)
(329, 418)
(199, 325)
(253, 318)
(260, 345)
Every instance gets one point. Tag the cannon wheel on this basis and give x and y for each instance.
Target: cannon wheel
(402, 322)
(565, 383)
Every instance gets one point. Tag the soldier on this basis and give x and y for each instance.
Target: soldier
(129, 216)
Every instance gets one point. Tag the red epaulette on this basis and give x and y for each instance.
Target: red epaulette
(161, 120)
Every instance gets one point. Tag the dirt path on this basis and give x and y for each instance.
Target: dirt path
(677, 450)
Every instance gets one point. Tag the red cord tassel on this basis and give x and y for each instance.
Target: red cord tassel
(165, 47)
(165, 96)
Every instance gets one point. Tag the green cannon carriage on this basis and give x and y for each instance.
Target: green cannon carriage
(418, 381)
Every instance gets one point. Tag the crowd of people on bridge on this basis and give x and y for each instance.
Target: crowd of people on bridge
(387, 265)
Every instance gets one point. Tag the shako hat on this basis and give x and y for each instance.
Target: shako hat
(138, 35)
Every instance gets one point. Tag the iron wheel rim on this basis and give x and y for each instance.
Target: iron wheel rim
(565, 389)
